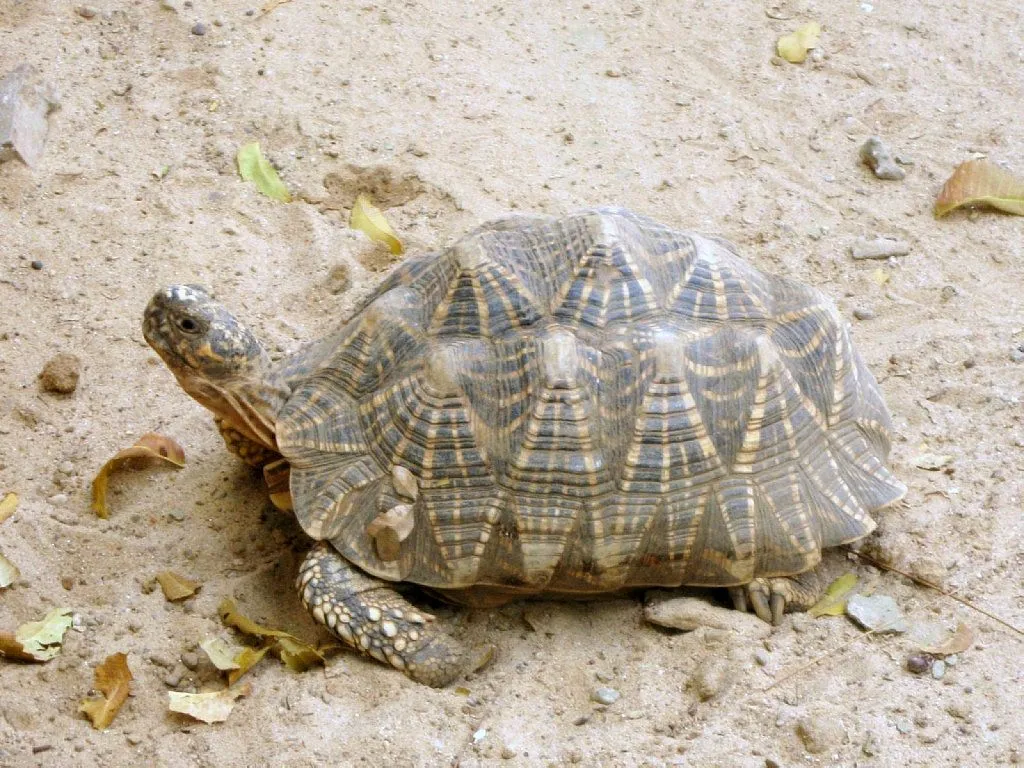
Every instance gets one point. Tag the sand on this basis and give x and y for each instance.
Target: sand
(450, 113)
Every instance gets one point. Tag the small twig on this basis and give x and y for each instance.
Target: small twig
(937, 588)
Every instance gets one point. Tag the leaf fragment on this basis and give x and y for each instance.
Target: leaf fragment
(223, 654)
(9, 572)
(212, 707)
(37, 640)
(150, 447)
(254, 167)
(367, 218)
(8, 506)
(794, 47)
(833, 602)
(981, 183)
(176, 587)
(296, 654)
(959, 642)
(246, 660)
(932, 461)
(112, 680)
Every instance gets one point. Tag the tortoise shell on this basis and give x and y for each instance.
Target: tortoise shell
(584, 404)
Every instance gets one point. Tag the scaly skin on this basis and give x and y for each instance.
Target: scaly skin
(369, 615)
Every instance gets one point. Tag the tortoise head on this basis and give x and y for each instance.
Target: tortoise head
(216, 359)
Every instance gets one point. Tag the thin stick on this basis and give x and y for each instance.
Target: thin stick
(940, 590)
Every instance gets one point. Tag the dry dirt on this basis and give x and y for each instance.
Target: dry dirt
(452, 113)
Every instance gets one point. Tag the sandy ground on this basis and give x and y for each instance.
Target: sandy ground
(456, 112)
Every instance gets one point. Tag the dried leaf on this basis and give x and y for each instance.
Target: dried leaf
(296, 654)
(8, 506)
(9, 572)
(368, 219)
(981, 182)
(932, 461)
(833, 602)
(958, 643)
(150, 447)
(112, 679)
(794, 47)
(37, 640)
(176, 587)
(222, 653)
(271, 5)
(254, 167)
(208, 707)
(246, 660)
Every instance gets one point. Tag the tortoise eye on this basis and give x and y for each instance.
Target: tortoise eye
(188, 325)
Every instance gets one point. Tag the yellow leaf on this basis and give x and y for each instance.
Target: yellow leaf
(794, 47)
(833, 602)
(176, 587)
(246, 660)
(958, 643)
(208, 707)
(222, 653)
(980, 182)
(368, 219)
(150, 447)
(9, 572)
(296, 654)
(254, 167)
(112, 679)
(8, 506)
(37, 640)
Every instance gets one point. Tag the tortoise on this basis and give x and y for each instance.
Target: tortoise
(551, 406)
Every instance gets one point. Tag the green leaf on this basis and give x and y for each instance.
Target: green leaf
(37, 640)
(833, 602)
(254, 167)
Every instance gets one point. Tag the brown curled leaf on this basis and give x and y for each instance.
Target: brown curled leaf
(981, 183)
(208, 707)
(112, 680)
(959, 642)
(150, 447)
(37, 640)
(176, 587)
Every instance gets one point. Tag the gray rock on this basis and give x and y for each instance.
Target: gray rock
(25, 102)
(606, 696)
(878, 157)
(690, 613)
(938, 669)
(878, 248)
(878, 613)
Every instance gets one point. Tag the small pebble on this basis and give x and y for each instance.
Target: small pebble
(711, 678)
(878, 248)
(938, 669)
(507, 753)
(1017, 355)
(177, 514)
(190, 659)
(199, 29)
(761, 657)
(951, 660)
(37, 264)
(606, 696)
(86, 11)
(863, 314)
(919, 663)
(60, 374)
(67, 582)
(819, 732)
(877, 156)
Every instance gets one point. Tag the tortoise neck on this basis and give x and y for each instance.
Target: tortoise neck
(249, 403)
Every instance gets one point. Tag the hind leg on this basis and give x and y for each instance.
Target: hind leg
(772, 597)
(369, 615)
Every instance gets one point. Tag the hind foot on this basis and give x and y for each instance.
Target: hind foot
(772, 597)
